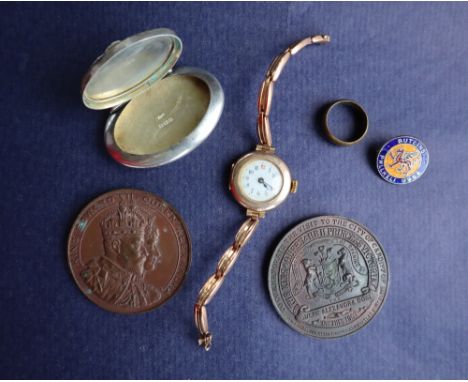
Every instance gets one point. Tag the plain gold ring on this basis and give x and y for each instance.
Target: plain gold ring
(362, 128)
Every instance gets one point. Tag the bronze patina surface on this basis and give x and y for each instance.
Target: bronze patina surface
(129, 251)
(328, 277)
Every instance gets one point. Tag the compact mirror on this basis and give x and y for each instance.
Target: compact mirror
(158, 115)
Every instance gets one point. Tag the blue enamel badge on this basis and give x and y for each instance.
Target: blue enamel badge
(402, 160)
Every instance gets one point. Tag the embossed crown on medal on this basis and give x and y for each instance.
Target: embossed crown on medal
(259, 181)
(127, 220)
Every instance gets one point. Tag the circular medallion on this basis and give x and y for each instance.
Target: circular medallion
(129, 251)
(328, 277)
(402, 160)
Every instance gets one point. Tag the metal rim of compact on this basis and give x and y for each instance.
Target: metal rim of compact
(402, 160)
(328, 277)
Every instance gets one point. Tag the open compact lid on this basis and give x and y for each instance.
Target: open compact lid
(128, 67)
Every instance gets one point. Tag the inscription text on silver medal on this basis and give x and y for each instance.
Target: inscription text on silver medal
(328, 277)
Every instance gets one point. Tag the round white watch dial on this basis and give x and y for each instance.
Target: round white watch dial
(260, 180)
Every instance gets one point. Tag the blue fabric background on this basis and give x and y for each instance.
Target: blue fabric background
(406, 63)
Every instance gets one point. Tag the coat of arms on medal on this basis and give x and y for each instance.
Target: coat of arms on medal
(329, 271)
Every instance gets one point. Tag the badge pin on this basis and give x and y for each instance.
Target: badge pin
(402, 160)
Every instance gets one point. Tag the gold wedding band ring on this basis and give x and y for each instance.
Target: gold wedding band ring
(361, 128)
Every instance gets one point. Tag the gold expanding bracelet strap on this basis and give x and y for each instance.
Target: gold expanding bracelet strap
(229, 257)
(266, 90)
(215, 281)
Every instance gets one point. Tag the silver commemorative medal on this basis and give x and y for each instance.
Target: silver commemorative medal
(328, 277)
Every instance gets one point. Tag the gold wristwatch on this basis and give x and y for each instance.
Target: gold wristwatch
(259, 181)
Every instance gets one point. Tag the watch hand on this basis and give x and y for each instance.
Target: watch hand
(265, 184)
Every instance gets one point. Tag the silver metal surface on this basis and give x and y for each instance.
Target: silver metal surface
(187, 144)
(141, 84)
(328, 277)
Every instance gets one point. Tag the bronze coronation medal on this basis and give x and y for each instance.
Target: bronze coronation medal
(328, 277)
(129, 251)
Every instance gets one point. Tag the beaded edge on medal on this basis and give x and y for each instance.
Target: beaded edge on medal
(400, 140)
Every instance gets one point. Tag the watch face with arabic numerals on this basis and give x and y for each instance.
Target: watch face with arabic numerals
(260, 181)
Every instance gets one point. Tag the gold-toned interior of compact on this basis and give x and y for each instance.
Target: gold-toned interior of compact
(162, 116)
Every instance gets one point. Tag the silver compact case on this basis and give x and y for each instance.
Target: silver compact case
(158, 113)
